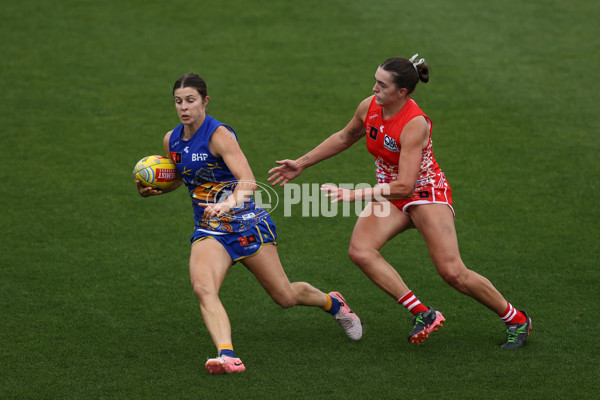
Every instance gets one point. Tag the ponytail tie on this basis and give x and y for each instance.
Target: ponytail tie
(416, 63)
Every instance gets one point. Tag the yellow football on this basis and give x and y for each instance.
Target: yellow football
(155, 171)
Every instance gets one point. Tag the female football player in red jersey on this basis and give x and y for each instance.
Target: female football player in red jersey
(416, 195)
(229, 225)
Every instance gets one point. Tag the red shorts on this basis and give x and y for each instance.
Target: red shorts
(427, 195)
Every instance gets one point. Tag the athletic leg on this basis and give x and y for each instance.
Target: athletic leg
(209, 264)
(267, 268)
(370, 233)
(435, 222)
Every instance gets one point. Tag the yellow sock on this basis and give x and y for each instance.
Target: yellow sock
(329, 303)
(226, 349)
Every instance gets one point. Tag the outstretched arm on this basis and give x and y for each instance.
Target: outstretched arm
(334, 144)
(413, 139)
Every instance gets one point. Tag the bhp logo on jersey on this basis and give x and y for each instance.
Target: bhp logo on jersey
(165, 175)
(390, 144)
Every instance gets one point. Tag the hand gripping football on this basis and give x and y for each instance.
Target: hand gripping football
(155, 171)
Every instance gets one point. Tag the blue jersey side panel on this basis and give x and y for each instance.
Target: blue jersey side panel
(209, 180)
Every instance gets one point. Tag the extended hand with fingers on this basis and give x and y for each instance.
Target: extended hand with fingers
(285, 172)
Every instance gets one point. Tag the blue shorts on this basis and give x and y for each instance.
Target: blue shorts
(241, 244)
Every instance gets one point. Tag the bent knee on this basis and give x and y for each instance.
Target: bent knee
(204, 291)
(284, 300)
(286, 303)
(454, 274)
(286, 297)
(360, 255)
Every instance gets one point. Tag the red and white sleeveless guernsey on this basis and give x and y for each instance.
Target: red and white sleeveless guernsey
(383, 142)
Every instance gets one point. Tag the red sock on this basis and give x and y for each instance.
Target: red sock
(412, 304)
(512, 315)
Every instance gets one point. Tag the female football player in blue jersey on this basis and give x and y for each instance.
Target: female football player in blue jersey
(229, 225)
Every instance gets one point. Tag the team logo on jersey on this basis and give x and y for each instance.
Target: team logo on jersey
(373, 133)
(176, 156)
(247, 240)
(390, 144)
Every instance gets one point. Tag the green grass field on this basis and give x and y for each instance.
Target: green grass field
(94, 290)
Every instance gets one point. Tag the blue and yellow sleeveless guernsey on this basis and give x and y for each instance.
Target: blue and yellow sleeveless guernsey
(209, 180)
